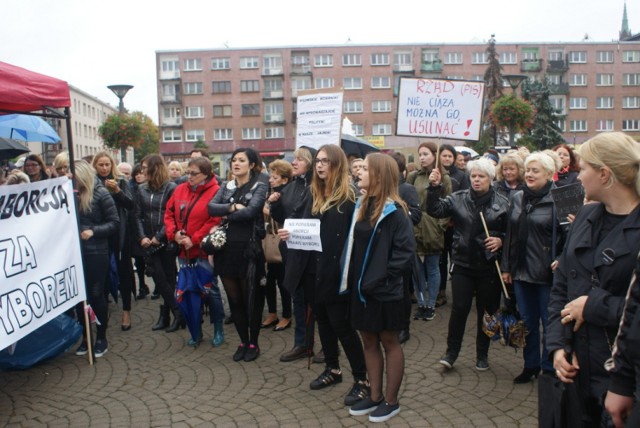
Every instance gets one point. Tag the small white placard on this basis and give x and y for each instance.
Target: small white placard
(304, 234)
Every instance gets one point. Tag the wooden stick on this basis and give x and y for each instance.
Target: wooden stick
(438, 154)
(486, 230)
(87, 328)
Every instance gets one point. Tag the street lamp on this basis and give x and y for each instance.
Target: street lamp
(514, 80)
(120, 91)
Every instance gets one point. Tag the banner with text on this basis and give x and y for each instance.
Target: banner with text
(440, 108)
(42, 272)
(318, 121)
(304, 234)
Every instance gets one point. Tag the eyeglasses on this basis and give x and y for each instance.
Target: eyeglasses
(194, 173)
(323, 161)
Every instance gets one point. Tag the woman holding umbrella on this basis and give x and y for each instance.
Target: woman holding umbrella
(240, 263)
(187, 222)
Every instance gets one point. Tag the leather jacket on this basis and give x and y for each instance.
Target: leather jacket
(150, 209)
(102, 219)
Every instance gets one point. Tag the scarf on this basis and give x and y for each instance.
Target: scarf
(530, 199)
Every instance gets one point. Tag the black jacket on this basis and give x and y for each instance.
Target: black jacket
(459, 179)
(468, 232)
(150, 209)
(569, 177)
(583, 271)
(540, 221)
(506, 191)
(126, 212)
(102, 219)
(409, 195)
(291, 197)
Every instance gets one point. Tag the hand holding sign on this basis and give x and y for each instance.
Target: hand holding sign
(302, 234)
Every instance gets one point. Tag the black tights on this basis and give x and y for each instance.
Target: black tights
(247, 324)
(95, 276)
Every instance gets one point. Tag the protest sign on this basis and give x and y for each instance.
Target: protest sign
(304, 234)
(440, 108)
(318, 120)
(568, 200)
(41, 266)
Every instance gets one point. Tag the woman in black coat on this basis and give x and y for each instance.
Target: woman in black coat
(595, 269)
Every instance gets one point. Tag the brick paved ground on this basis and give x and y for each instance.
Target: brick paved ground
(152, 379)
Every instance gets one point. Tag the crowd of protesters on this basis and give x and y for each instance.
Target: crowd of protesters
(391, 234)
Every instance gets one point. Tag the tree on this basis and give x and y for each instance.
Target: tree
(545, 132)
(514, 113)
(121, 131)
(151, 137)
(199, 144)
(494, 90)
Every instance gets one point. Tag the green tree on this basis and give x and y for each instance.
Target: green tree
(493, 90)
(199, 144)
(121, 131)
(514, 113)
(544, 132)
(150, 137)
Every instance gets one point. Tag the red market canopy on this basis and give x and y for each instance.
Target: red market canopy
(24, 91)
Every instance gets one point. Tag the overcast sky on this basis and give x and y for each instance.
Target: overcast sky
(95, 44)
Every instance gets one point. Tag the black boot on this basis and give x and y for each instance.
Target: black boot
(178, 321)
(527, 375)
(163, 320)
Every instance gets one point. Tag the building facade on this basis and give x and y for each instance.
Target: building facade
(230, 98)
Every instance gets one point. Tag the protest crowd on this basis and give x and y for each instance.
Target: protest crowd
(359, 248)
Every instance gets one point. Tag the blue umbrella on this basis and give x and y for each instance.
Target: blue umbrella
(114, 277)
(193, 281)
(27, 128)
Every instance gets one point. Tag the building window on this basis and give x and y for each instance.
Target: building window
(378, 59)
(170, 65)
(577, 103)
(631, 125)
(352, 83)
(276, 132)
(430, 56)
(453, 58)
(381, 129)
(249, 62)
(631, 79)
(630, 102)
(191, 88)
(604, 57)
(169, 90)
(604, 125)
(193, 64)
(557, 102)
(358, 129)
(272, 64)
(351, 60)
(381, 106)
(195, 134)
(556, 55)
(455, 77)
(300, 83)
(250, 109)
(221, 87)
(380, 82)
(324, 82)
(220, 64)
(577, 126)
(171, 136)
(578, 80)
(631, 56)
(562, 124)
(604, 102)
(508, 58)
(222, 111)
(554, 79)
(353, 107)
(478, 77)
(273, 88)
(479, 58)
(249, 86)
(529, 54)
(223, 134)
(403, 60)
(604, 79)
(194, 112)
(251, 133)
(274, 112)
(325, 60)
(577, 57)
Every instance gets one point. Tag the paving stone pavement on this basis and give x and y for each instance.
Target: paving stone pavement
(152, 379)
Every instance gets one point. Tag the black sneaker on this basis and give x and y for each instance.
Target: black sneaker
(240, 352)
(447, 361)
(429, 314)
(359, 391)
(327, 378)
(384, 412)
(482, 364)
(101, 347)
(364, 407)
(82, 349)
(420, 313)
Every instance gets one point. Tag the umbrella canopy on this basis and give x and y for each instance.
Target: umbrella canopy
(355, 146)
(193, 281)
(11, 148)
(27, 128)
(469, 150)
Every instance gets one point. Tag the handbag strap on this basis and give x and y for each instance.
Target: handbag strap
(189, 208)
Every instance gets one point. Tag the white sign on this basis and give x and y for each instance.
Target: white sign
(440, 108)
(41, 265)
(318, 119)
(304, 234)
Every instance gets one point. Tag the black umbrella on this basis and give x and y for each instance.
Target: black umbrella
(10, 148)
(355, 146)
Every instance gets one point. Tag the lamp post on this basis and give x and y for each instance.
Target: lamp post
(121, 91)
(514, 80)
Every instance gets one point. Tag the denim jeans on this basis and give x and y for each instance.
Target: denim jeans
(532, 300)
(431, 271)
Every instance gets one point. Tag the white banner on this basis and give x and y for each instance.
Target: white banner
(318, 120)
(304, 234)
(440, 108)
(41, 275)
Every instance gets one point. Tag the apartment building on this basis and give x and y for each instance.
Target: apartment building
(230, 98)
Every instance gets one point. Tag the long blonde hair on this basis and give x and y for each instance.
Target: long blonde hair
(86, 179)
(335, 189)
(104, 154)
(384, 179)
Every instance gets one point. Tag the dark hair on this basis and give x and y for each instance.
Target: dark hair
(157, 171)
(203, 152)
(573, 161)
(203, 164)
(400, 160)
(137, 169)
(449, 148)
(253, 156)
(433, 147)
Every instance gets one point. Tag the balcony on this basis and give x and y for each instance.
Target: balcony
(432, 67)
(273, 95)
(559, 88)
(557, 66)
(300, 69)
(273, 71)
(170, 99)
(403, 68)
(170, 75)
(274, 118)
(172, 121)
(531, 65)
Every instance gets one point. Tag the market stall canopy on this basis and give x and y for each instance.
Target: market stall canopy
(23, 91)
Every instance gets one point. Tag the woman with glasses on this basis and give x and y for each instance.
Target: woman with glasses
(240, 202)
(35, 168)
(61, 165)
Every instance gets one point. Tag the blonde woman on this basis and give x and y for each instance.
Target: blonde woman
(175, 170)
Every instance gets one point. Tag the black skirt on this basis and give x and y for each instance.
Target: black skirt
(234, 260)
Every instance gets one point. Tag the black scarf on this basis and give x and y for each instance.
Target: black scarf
(530, 199)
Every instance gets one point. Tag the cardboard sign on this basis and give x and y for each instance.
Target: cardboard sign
(440, 108)
(568, 200)
(304, 234)
(319, 119)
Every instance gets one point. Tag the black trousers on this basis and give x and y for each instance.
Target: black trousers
(164, 271)
(96, 267)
